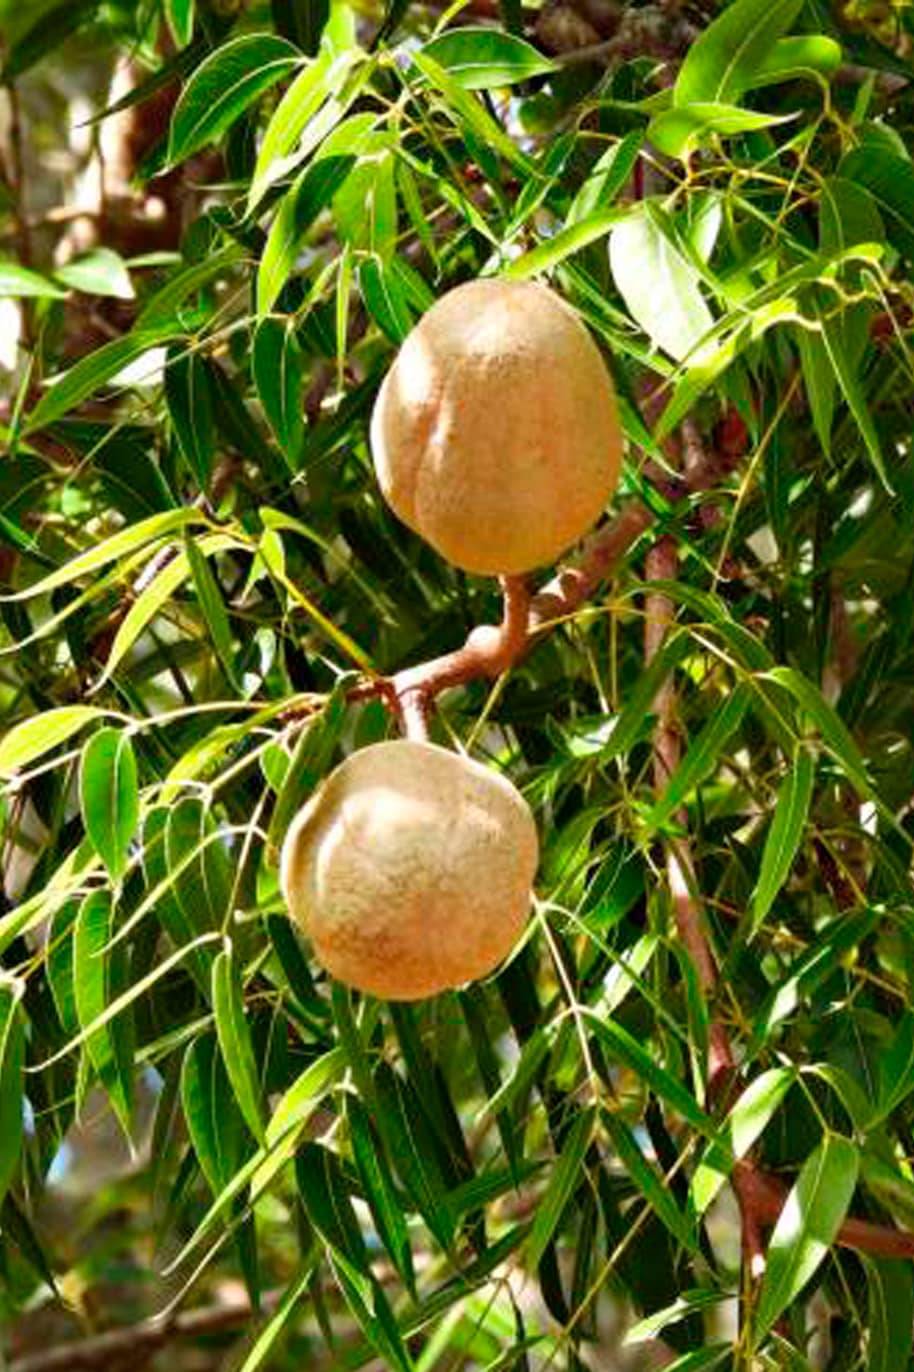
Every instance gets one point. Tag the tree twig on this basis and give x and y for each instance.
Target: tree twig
(138, 1342)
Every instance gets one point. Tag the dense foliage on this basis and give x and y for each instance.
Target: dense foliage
(201, 582)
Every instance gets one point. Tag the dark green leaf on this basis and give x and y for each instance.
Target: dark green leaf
(811, 1217)
(222, 88)
(109, 795)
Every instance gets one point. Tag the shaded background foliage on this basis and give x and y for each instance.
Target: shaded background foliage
(203, 290)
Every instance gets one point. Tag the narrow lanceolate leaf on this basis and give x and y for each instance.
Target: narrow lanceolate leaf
(722, 62)
(890, 1285)
(835, 733)
(650, 1183)
(380, 1191)
(703, 755)
(658, 284)
(744, 1124)
(368, 1303)
(566, 1176)
(196, 856)
(234, 1036)
(855, 395)
(278, 368)
(119, 545)
(400, 1126)
(180, 15)
(310, 193)
(99, 272)
(786, 833)
(896, 1068)
(30, 740)
(19, 283)
(212, 1120)
(621, 1045)
(297, 107)
(212, 604)
(889, 178)
(222, 88)
(109, 795)
(679, 131)
(806, 1229)
(385, 298)
(12, 1062)
(188, 395)
(91, 373)
(95, 978)
(271, 1331)
(328, 1205)
(479, 58)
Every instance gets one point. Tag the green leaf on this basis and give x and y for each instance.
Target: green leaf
(652, 1186)
(744, 1124)
(620, 1044)
(213, 607)
(287, 1307)
(723, 61)
(479, 58)
(89, 375)
(222, 88)
(311, 192)
(834, 731)
(807, 1227)
(380, 1191)
(385, 299)
(19, 283)
(297, 107)
(12, 1067)
(209, 1112)
(278, 368)
(234, 1036)
(606, 178)
(890, 1287)
(129, 540)
(188, 394)
(33, 738)
(566, 1176)
(658, 283)
(654, 1324)
(199, 863)
(180, 16)
(409, 1147)
(785, 835)
(469, 113)
(634, 717)
(896, 1068)
(161, 878)
(325, 1196)
(679, 131)
(98, 272)
(561, 245)
(802, 55)
(46, 34)
(703, 755)
(97, 974)
(109, 795)
(854, 394)
(889, 179)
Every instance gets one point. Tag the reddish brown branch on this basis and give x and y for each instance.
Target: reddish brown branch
(662, 564)
(135, 1344)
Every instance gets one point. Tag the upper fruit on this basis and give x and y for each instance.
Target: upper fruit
(495, 433)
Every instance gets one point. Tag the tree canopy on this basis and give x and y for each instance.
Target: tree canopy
(677, 1127)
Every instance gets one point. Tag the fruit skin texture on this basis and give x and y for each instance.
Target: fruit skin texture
(495, 433)
(410, 869)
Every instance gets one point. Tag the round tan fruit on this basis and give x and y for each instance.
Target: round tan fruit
(495, 433)
(410, 869)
